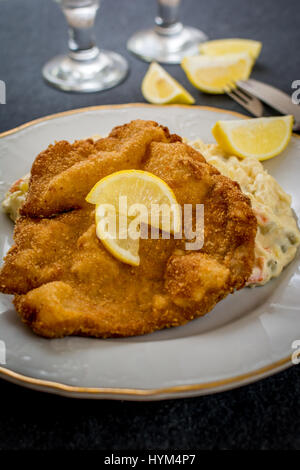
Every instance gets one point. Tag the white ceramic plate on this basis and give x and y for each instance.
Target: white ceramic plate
(247, 336)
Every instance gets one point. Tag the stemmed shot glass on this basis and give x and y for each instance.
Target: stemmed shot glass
(86, 68)
(169, 41)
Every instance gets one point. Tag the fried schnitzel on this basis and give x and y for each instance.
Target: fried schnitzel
(66, 283)
(62, 175)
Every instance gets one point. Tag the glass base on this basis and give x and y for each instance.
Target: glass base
(104, 71)
(166, 47)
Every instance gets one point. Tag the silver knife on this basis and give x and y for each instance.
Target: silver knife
(274, 97)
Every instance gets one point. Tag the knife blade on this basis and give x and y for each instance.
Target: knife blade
(274, 97)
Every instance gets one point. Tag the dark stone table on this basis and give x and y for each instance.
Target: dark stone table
(264, 415)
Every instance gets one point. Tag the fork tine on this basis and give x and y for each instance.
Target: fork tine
(237, 99)
(253, 105)
(256, 107)
(248, 101)
(245, 93)
(229, 86)
(241, 96)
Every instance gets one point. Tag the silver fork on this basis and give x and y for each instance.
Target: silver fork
(245, 99)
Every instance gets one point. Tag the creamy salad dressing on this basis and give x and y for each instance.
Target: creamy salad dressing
(278, 236)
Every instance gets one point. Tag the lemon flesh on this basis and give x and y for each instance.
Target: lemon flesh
(129, 196)
(216, 74)
(124, 249)
(231, 46)
(158, 87)
(261, 138)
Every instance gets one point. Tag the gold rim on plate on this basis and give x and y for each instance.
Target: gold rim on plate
(214, 386)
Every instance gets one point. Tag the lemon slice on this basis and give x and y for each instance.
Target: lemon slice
(158, 87)
(124, 249)
(215, 74)
(261, 138)
(125, 200)
(231, 46)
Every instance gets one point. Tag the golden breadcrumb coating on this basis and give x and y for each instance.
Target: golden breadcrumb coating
(66, 283)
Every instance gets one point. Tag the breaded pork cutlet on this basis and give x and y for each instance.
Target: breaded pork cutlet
(66, 283)
(63, 174)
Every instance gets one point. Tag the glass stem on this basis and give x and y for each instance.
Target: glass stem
(81, 31)
(167, 18)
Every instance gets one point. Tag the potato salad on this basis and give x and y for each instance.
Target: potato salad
(278, 236)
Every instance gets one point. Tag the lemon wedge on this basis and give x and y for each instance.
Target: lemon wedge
(158, 87)
(231, 46)
(261, 138)
(215, 74)
(125, 200)
(124, 248)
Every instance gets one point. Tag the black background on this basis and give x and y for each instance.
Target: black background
(265, 415)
